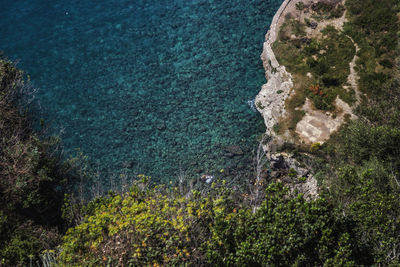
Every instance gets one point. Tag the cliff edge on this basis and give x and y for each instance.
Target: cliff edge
(311, 87)
(270, 101)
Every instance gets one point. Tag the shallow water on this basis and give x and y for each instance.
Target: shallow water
(153, 86)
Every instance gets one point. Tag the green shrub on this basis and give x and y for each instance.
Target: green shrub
(260, 105)
(284, 231)
(315, 147)
(337, 12)
(300, 6)
(143, 227)
(276, 127)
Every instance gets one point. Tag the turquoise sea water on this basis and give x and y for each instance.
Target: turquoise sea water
(149, 86)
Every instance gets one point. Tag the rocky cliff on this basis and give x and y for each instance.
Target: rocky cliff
(270, 101)
(315, 125)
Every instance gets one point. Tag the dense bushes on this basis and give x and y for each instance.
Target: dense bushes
(355, 224)
(284, 231)
(141, 227)
(160, 227)
(364, 142)
(369, 196)
(31, 178)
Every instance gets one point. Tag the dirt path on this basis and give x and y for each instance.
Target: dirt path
(353, 77)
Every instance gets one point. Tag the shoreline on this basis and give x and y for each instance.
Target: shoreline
(270, 101)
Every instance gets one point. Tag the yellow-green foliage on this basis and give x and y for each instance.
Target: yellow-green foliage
(314, 147)
(141, 227)
(161, 227)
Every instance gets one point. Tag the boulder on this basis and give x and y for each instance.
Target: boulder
(234, 150)
(161, 126)
(305, 40)
(313, 25)
(229, 155)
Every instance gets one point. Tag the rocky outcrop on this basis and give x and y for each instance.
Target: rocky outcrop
(270, 101)
(288, 170)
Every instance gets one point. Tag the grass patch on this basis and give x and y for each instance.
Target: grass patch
(327, 59)
(291, 27)
(288, 55)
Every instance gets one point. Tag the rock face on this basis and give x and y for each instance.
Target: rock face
(287, 169)
(270, 101)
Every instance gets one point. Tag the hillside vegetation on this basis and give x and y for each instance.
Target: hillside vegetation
(355, 220)
(32, 178)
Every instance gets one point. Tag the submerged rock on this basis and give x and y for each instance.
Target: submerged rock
(161, 126)
(234, 150)
(229, 155)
